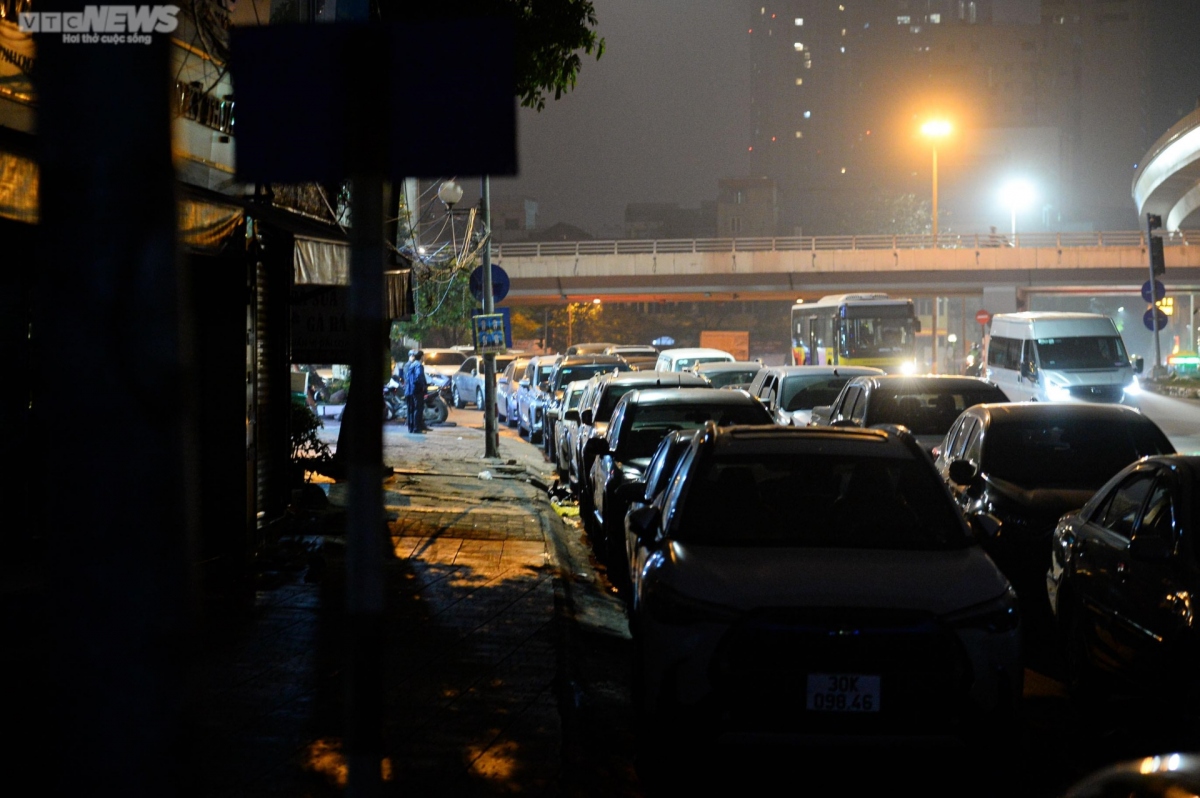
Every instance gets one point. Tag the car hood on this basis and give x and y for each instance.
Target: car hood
(800, 418)
(1117, 375)
(934, 581)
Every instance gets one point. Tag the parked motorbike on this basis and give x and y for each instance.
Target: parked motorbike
(396, 408)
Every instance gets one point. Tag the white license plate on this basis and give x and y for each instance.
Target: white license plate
(843, 692)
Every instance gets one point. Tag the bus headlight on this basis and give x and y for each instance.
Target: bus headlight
(1134, 388)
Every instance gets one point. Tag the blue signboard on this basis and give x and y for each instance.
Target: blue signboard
(492, 331)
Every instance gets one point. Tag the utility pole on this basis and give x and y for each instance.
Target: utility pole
(491, 446)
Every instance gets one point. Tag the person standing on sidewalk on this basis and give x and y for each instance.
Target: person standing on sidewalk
(415, 385)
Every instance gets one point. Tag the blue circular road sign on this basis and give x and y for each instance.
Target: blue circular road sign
(1158, 291)
(1154, 316)
(500, 283)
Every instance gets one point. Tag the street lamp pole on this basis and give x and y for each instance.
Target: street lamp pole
(935, 129)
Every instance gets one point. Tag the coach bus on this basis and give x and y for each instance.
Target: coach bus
(856, 330)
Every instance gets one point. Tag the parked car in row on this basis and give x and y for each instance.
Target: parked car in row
(466, 384)
(729, 373)
(507, 384)
(1122, 580)
(927, 404)
(816, 581)
(791, 392)
(530, 389)
(598, 409)
(565, 416)
(549, 393)
(1028, 463)
(641, 419)
(686, 357)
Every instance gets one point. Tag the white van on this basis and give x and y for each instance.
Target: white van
(1056, 357)
(685, 358)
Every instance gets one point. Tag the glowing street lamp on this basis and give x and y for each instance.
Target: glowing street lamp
(1017, 194)
(934, 130)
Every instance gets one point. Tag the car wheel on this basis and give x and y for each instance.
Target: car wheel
(479, 398)
(458, 401)
(535, 436)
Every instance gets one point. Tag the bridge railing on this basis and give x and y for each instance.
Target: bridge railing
(1111, 238)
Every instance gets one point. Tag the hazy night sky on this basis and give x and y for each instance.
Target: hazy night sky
(663, 115)
(659, 118)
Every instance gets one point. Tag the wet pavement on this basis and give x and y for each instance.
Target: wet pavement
(489, 596)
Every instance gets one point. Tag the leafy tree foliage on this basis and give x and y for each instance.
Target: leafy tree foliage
(551, 37)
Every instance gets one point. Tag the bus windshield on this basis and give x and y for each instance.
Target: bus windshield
(876, 337)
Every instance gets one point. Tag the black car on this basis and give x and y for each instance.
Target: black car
(544, 407)
(926, 404)
(1122, 575)
(595, 413)
(640, 421)
(1026, 464)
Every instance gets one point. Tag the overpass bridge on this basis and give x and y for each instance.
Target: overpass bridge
(1006, 269)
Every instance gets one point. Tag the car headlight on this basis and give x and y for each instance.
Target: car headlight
(908, 367)
(1134, 388)
(1057, 393)
(995, 616)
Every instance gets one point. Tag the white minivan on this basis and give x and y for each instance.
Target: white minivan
(1054, 357)
(685, 358)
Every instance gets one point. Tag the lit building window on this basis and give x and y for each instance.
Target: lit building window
(799, 134)
(843, 31)
(799, 81)
(935, 18)
(843, 49)
(799, 21)
(799, 47)
(904, 20)
(808, 114)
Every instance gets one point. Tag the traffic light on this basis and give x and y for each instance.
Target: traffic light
(1157, 263)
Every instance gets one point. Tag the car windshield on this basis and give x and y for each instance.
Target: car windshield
(444, 358)
(820, 500)
(1071, 453)
(720, 379)
(930, 412)
(687, 362)
(1091, 352)
(646, 425)
(806, 391)
(582, 372)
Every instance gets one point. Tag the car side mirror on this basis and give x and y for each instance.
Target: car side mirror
(524, 383)
(963, 472)
(585, 417)
(985, 526)
(1149, 548)
(643, 522)
(1027, 370)
(1138, 362)
(595, 447)
(820, 414)
(474, 372)
(552, 413)
(916, 325)
(544, 385)
(844, 422)
(632, 491)
(572, 415)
